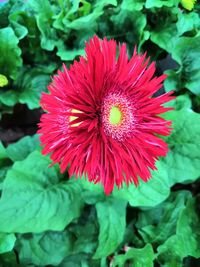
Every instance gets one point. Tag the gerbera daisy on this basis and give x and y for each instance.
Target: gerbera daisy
(102, 121)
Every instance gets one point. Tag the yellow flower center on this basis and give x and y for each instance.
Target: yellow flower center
(115, 116)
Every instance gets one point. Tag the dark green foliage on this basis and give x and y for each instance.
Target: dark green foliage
(49, 220)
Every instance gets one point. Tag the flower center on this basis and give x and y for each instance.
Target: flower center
(115, 115)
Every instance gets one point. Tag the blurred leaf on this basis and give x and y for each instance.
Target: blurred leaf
(160, 3)
(3, 153)
(9, 260)
(7, 242)
(129, 25)
(85, 233)
(187, 22)
(33, 195)
(137, 257)
(91, 19)
(70, 54)
(8, 98)
(10, 59)
(44, 17)
(5, 164)
(22, 148)
(48, 248)
(163, 34)
(111, 216)
(186, 240)
(34, 81)
(131, 5)
(172, 83)
(28, 86)
(157, 224)
(80, 260)
(187, 54)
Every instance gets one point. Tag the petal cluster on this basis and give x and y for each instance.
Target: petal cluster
(102, 121)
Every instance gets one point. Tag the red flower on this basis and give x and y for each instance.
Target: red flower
(101, 120)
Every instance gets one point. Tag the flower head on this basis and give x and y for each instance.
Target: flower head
(102, 121)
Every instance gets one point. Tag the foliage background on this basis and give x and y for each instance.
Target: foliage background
(47, 219)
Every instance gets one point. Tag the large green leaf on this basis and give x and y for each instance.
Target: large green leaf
(186, 240)
(111, 216)
(34, 196)
(183, 159)
(137, 257)
(10, 59)
(45, 248)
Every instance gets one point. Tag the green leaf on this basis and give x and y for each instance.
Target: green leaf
(3, 153)
(186, 240)
(187, 54)
(159, 223)
(131, 25)
(163, 34)
(111, 216)
(137, 257)
(180, 102)
(8, 98)
(33, 82)
(147, 194)
(34, 196)
(7, 242)
(82, 22)
(18, 16)
(22, 148)
(172, 83)
(81, 260)
(130, 6)
(183, 159)
(48, 248)
(187, 22)
(86, 233)
(160, 3)
(28, 86)
(5, 164)
(4, 13)
(70, 54)
(10, 60)
(44, 17)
